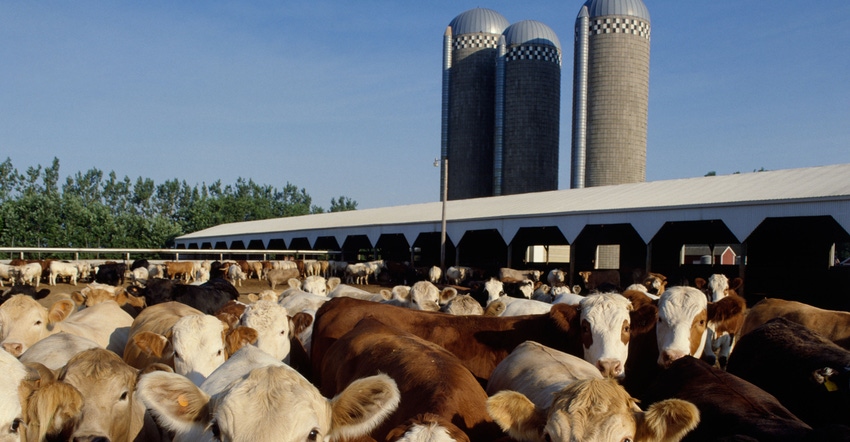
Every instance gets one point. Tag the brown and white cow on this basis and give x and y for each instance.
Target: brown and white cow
(541, 394)
(23, 322)
(430, 379)
(181, 337)
(831, 324)
(253, 397)
(480, 342)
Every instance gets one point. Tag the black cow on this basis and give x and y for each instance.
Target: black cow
(209, 297)
(111, 273)
(808, 373)
(139, 263)
(732, 408)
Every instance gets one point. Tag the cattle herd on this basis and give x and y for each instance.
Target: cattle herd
(379, 351)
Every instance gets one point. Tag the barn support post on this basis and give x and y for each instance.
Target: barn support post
(510, 255)
(572, 263)
(649, 258)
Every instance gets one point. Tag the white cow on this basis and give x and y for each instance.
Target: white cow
(354, 292)
(30, 273)
(422, 295)
(273, 326)
(556, 277)
(235, 275)
(513, 306)
(462, 305)
(56, 350)
(540, 394)
(23, 322)
(63, 269)
(9, 273)
(434, 274)
(254, 397)
(357, 273)
(509, 274)
(318, 285)
(12, 419)
(456, 275)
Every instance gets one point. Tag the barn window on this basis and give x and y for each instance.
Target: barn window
(547, 254)
(607, 256)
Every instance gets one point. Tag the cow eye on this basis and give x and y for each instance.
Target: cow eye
(626, 328)
(314, 434)
(627, 439)
(123, 396)
(547, 437)
(16, 425)
(215, 430)
(38, 322)
(218, 353)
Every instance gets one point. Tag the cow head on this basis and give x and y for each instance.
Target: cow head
(605, 332)
(423, 295)
(591, 409)
(270, 403)
(682, 322)
(273, 326)
(23, 321)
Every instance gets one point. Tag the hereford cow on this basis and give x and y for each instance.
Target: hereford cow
(808, 373)
(430, 379)
(254, 397)
(479, 341)
(23, 322)
(831, 324)
(177, 335)
(540, 394)
(730, 408)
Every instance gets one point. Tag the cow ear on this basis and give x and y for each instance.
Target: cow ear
(294, 283)
(700, 283)
(253, 297)
(123, 297)
(495, 308)
(386, 294)
(78, 298)
(726, 308)
(643, 319)
(300, 322)
(401, 292)
(333, 282)
(152, 344)
(670, 419)
(565, 316)
(52, 409)
(174, 400)
(448, 294)
(516, 415)
(736, 285)
(60, 310)
(577, 289)
(238, 338)
(156, 366)
(362, 406)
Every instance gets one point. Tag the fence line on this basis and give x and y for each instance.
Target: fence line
(21, 251)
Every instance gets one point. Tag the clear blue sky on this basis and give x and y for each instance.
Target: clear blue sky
(343, 97)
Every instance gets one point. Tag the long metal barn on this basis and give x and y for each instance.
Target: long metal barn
(780, 230)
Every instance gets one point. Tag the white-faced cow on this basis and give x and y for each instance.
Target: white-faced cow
(254, 397)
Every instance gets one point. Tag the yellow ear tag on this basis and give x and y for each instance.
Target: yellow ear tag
(181, 400)
(830, 386)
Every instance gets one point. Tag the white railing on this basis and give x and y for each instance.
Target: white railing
(21, 251)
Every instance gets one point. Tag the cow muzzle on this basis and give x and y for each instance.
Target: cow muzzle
(610, 368)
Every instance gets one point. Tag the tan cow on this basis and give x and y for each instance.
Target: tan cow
(92, 399)
(95, 293)
(23, 322)
(541, 394)
(185, 270)
(253, 397)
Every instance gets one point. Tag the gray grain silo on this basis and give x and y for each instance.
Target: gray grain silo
(610, 93)
(528, 107)
(469, 59)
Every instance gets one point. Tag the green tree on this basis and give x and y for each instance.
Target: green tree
(343, 204)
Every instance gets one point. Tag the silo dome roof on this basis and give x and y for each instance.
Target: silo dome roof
(531, 31)
(634, 8)
(479, 20)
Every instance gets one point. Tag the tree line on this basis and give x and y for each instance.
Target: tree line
(94, 209)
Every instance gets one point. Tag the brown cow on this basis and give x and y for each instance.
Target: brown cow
(430, 379)
(831, 324)
(601, 280)
(183, 269)
(479, 341)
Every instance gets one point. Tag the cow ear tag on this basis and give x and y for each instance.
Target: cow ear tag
(830, 386)
(182, 401)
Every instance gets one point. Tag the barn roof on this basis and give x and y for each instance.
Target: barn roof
(741, 200)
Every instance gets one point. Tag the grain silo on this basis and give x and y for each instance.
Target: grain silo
(468, 101)
(526, 157)
(610, 93)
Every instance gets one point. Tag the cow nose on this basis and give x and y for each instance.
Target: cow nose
(610, 368)
(90, 439)
(14, 348)
(669, 356)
